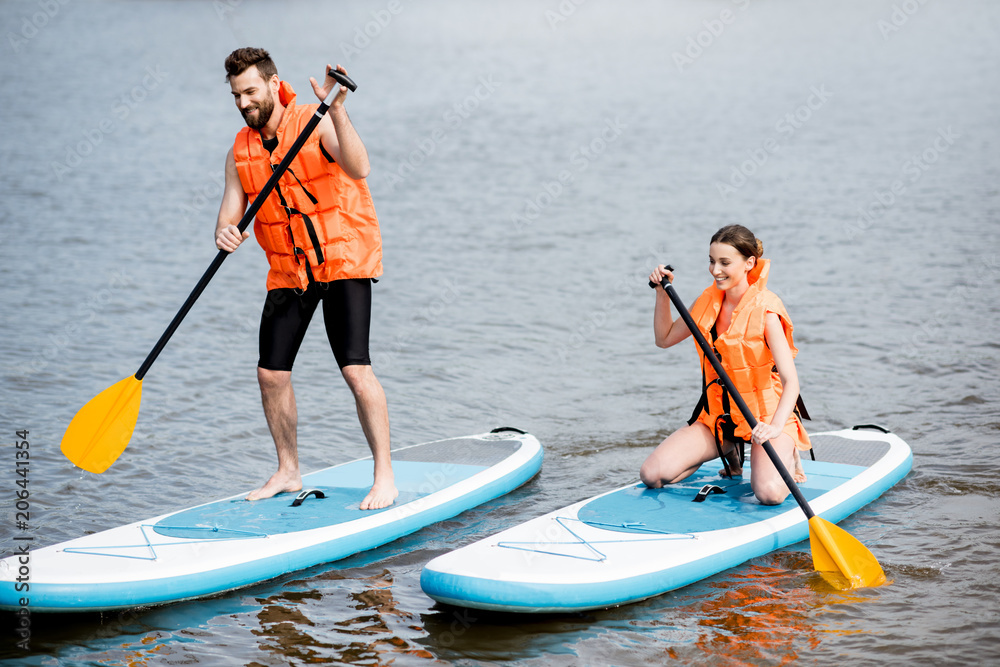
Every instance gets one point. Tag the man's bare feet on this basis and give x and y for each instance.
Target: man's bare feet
(280, 482)
(798, 474)
(383, 494)
(383, 491)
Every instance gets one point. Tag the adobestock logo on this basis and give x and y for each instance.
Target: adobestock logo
(785, 127)
(31, 25)
(704, 39)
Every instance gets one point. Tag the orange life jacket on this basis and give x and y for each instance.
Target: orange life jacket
(745, 355)
(318, 222)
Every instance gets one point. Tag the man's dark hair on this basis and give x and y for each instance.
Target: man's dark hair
(242, 59)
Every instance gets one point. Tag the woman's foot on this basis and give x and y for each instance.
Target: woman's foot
(798, 474)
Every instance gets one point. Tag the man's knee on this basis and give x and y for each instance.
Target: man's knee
(360, 378)
(273, 380)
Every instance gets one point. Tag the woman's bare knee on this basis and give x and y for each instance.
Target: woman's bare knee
(649, 474)
(678, 456)
(770, 493)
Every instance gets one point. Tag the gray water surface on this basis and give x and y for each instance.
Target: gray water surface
(531, 162)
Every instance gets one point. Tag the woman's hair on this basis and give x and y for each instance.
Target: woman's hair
(740, 238)
(241, 60)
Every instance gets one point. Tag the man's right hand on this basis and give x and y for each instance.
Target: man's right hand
(229, 239)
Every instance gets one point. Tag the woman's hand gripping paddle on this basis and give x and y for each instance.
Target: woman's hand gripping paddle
(834, 550)
(101, 430)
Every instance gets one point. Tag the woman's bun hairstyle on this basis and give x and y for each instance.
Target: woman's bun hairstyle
(740, 238)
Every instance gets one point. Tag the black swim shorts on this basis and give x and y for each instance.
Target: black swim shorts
(347, 309)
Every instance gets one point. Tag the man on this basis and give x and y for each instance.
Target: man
(321, 236)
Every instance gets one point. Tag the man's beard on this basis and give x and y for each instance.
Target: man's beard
(264, 111)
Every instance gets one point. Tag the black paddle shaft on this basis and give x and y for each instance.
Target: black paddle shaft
(733, 393)
(341, 78)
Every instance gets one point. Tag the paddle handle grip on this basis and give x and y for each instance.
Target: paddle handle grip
(343, 79)
(734, 394)
(668, 268)
(245, 221)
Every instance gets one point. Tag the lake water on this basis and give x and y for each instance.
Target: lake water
(531, 162)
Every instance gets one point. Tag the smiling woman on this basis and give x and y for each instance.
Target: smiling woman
(752, 335)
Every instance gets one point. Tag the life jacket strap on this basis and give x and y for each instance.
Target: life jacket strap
(310, 227)
(725, 428)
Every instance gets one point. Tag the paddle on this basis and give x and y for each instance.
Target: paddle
(102, 428)
(833, 549)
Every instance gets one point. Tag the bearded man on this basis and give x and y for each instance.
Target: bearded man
(321, 236)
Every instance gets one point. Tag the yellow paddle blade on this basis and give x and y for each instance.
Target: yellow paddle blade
(102, 428)
(836, 550)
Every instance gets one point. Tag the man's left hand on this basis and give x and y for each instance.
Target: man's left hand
(328, 83)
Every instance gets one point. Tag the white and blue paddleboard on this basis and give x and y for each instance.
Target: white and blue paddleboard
(231, 543)
(634, 543)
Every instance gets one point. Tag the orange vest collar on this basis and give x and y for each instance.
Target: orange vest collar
(758, 274)
(757, 279)
(285, 93)
(287, 98)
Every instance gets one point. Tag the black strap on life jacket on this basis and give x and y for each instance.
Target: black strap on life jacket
(312, 197)
(724, 429)
(310, 228)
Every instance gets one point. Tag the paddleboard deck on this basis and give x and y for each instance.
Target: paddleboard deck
(231, 543)
(633, 543)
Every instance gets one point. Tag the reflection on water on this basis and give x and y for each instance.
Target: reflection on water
(763, 613)
(140, 653)
(754, 621)
(304, 626)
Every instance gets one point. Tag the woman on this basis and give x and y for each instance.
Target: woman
(751, 332)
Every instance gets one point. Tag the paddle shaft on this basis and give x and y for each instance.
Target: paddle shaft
(272, 182)
(734, 394)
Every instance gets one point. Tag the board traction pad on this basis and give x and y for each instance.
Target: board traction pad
(837, 449)
(646, 507)
(419, 470)
(461, 451)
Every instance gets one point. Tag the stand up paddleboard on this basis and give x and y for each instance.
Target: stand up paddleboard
(634, 543)
(232, 542)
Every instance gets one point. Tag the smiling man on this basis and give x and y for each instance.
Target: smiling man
(321, 236)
